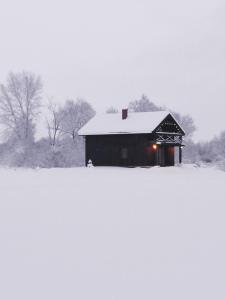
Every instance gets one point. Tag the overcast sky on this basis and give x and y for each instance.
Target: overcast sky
(111, 52)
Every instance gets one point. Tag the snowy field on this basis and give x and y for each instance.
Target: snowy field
(112, 234)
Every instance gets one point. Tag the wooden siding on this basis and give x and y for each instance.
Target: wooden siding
(127, 150)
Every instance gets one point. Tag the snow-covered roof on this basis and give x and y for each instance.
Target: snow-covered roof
(141, 122)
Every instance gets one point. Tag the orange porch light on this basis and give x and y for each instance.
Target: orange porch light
(154, 147)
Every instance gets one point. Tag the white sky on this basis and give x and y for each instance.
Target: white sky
(111, 52)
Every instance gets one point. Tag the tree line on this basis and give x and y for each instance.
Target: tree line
(21, 106)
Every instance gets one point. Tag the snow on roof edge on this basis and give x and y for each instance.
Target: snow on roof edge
(136, 123)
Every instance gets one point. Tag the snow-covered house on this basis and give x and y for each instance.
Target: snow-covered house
(134, 139)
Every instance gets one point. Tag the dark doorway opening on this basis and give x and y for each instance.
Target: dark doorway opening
(165, 155)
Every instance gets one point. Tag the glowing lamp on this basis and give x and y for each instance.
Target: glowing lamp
(154, 147)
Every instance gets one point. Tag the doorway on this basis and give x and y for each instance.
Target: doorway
(165, 155)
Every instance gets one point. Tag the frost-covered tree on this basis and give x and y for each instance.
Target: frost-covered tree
(54, 123)
(219, 144)
(65, 148)
(75, 115)
(210, 152)
(143, 104)
(218, 150)
(112, 110)
(221, 150)
(20, 100)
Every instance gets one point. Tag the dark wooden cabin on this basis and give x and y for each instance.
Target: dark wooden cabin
(134, 139)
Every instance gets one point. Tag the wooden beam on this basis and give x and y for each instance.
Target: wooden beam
(180, 154)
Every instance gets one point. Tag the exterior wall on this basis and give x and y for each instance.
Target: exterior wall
(127, 150)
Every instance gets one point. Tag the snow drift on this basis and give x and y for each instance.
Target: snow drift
(111, 233)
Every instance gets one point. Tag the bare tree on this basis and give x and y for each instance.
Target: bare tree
(75, 115)
(19, 104)
(54, 123)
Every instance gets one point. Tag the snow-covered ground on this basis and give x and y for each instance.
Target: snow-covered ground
(112, 233)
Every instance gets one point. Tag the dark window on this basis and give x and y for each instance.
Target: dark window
(124, 153)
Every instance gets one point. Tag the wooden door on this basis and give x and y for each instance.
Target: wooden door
(169, 156)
